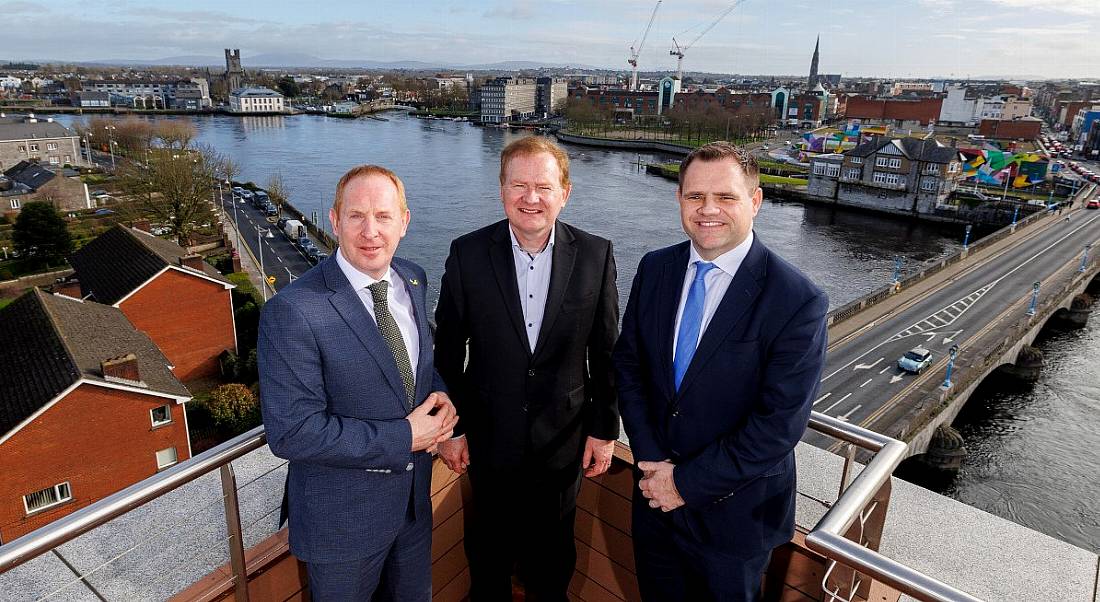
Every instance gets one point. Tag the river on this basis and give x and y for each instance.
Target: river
(1033, 455)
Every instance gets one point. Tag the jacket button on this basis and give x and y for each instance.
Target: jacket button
(530, 373)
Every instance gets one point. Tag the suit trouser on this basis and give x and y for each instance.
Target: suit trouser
(524, 517)
(673, 567)
(402, 572)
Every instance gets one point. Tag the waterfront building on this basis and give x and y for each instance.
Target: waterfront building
(1021, 128)
(28, 138)
(256, 100)
(180, 301)
(550, 96)
(88, 406)
(145, 94)
(91, 99)
(505, 99)
(898, 175)
(900, 113)
(29, 181)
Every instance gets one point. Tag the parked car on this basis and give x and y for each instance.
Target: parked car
(245, 194)
(321, 256)
(1093, 204)
(916, 360)
(271, 210)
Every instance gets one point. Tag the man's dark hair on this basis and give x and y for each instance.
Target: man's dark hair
(718, 151)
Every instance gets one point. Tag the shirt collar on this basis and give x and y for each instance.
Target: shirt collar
(549, 243)
(729, 261)
(359, 280)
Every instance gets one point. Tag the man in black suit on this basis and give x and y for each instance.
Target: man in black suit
(534, 302)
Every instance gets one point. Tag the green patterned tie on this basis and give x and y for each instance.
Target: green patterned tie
(392, 334)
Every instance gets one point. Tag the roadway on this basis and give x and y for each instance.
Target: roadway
(271, 247)
(862, 383)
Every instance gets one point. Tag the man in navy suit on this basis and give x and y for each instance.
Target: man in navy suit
(351, 397)
(719, 358)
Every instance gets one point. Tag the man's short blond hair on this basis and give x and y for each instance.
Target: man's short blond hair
(533, 145)
(365, 171)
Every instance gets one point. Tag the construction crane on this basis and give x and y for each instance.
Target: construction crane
(633, 60)
(678, 50)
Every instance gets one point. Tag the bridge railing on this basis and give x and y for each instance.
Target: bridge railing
(856, 502)
(877, 296)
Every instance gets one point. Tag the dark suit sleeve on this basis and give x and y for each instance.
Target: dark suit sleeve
(631, 374)
(451, 334)
(791, 376)
(437, 380)
(601, 344)
(296, 418)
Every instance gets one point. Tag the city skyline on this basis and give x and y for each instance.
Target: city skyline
(910, 39)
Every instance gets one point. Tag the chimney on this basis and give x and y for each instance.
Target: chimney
(123, 369)
(193, 261)
(69, 288)
(143, 225)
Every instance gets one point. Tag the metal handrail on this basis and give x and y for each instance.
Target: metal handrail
(825, 538)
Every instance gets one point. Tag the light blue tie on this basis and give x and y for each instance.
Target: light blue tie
(690, 322)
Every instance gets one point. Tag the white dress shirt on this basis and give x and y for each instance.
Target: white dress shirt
(397, 298)
(717, 281)
(533, 281)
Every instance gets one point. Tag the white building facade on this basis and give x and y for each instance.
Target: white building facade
(256, 100)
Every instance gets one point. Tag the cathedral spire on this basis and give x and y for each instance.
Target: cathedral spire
(813, 64)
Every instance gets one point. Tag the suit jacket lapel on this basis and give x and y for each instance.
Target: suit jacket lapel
(504, 268)
(561, 270)
(739, 297)
(671, 285)
(347, 303)
(415, 289)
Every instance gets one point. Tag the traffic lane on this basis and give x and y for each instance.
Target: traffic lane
(857, 389)
(281, 258)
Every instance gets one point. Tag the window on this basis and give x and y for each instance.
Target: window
(51, 146)
(852, 173)
(22, 148)
(54, 161)
(47, 498)
(166, 458)
(34, 148)
(881, 161)
(15, 203)
(161, 415)
(928, 184)
(832, 171)
(895, 163)
(857, 160)
(819, 169)
(887, 178)
(932, 168)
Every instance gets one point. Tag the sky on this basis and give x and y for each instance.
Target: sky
(887, 38)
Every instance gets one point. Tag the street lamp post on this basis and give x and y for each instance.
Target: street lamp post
(1085, 258)
(897, 269)
(260, 248)
(966, 237)
(950, 365)
(111, 144)
(1015, 214)
(289, 274)
(1034, 298)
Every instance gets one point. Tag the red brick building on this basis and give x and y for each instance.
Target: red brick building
(891, 111)
(88, 406)
(1025, 128)
(180, 301)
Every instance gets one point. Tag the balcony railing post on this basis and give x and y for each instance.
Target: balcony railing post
(233, 527)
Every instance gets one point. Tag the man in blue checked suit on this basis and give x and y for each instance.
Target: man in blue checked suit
(719, 358)
(350, 396)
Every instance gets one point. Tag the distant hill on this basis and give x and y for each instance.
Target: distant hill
(307, 60)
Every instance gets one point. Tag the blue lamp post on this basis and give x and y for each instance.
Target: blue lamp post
(1085, 258)
(966, 237)
(897, 269)
(950, 365)
(1034, 299)
(1015, 214)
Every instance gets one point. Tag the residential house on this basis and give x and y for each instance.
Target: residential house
(897, 175)
(88, 406)
(29, 181)
(180, 301)
(28, 137)
(256, 100)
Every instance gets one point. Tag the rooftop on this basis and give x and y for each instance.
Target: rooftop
(29, 128)
(256, 93)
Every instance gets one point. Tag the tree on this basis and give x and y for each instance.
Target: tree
(276, 190)
(175, 187)
(175, 134)
(289, 87)
(40, 234)
(234, 407)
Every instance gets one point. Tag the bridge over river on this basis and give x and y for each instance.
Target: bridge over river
(989, 302)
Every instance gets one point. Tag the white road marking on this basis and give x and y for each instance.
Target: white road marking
(869, 366)
(279, 258)
(895, 378)
(866, 383)
(848, 415)
(836, 403)
(884, 369)
(822, 398)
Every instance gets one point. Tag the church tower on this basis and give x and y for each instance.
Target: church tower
(812, 82)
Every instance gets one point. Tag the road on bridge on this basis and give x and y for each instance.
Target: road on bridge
(862, 382)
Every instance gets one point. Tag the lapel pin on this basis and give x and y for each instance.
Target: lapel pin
(414, 282)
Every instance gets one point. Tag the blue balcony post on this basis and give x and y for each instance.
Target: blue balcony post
(1085, 258)
(950, 365)
(1034, 299)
